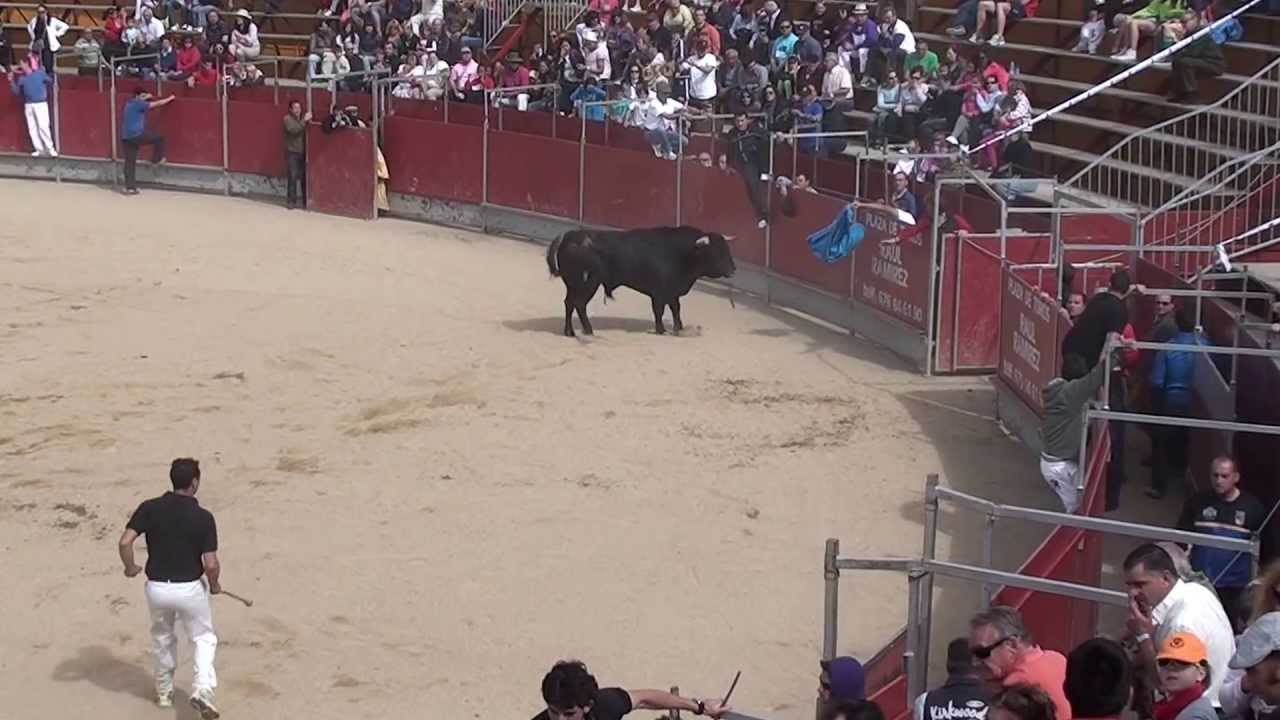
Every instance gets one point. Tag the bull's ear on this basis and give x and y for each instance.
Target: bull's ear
(703, 241)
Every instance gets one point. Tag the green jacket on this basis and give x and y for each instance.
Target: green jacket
(1162, 10)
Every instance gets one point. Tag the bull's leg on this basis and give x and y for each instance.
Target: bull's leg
(584, 297)
(676, 324)
(659, 307)
(568, 312)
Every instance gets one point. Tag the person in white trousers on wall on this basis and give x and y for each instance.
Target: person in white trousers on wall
(31, 83)
(182, 572)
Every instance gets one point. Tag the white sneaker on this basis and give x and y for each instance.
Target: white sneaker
(164, 699)
(202, 700)
(1126, 56)
(976, 39)
(36, 153)
(996, 41)
(762, 224)
(672, 156)
(657, 152)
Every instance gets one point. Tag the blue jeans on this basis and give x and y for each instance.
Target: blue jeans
(665, 141)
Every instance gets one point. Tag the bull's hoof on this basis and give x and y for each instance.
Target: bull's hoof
(660, 330)
(588, 331)
(568, 332)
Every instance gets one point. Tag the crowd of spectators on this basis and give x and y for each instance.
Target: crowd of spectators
(1177, 657)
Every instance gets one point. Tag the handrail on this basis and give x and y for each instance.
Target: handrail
(1167, 123)
(1114, 80)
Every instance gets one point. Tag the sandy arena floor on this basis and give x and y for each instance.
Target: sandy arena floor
(430, 493)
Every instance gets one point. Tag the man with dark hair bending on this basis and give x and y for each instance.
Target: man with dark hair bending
(182, 547)
(571, 693)
(134, 134)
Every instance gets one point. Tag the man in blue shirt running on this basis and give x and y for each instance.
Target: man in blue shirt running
(134, 134)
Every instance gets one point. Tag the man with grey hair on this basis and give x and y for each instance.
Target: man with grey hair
(1006, 651)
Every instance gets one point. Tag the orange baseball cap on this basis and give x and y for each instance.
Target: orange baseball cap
(1183, 647)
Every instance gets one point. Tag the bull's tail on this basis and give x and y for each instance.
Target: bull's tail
(553, 256)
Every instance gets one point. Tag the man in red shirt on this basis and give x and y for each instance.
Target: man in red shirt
(1007, 652)
(513, 73)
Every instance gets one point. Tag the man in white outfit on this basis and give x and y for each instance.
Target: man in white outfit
(31, 83)
(182, 546)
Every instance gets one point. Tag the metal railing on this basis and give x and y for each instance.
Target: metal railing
(1156, 166)
(921, 570)
(1160, 57)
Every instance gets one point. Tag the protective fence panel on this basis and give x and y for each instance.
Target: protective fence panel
(571, 129)
(968, 318)
(533, 173)
(1029, 332)
(255, 133)
(528, 123)
(13, 124)
(715, 200)
(192, 130)
(889, 275)
(627, 138)
(417, 109)
(789, 252)
(466, 114)
(340, 172)
(85, 118)
(627, 189)
(431, 159)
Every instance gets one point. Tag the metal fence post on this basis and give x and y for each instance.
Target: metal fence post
(915, 637)
(830, 599)
(680, 122)
(674, 714)
(226, 146)
(57, 128)
(484, 159)
(988, 541)
(111, 110)
(768, 213)
(926, 582)
(582, 166)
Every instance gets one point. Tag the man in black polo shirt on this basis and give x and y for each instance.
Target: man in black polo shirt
(1106, 313)
(182, 546)
(571, 693)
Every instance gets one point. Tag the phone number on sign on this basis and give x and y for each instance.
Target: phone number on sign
(892, 305)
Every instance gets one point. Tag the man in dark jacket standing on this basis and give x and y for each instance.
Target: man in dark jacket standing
(295, 154)
(963, 696)
(748, 147)
(1200, 57)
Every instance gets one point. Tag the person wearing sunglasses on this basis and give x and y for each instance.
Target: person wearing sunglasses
(1184, 677)
(1008, 654)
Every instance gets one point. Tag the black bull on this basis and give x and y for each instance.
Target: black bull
(662, 262)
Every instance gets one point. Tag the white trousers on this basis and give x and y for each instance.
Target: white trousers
(188, 602)
(1061, 477)
(38, 126)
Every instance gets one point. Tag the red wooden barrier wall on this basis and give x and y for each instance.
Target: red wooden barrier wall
(340, 172)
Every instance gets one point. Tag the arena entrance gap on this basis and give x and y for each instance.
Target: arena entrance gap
(1075, 599)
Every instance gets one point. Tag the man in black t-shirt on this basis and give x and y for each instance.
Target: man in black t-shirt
(1105, 313)
(182, 547)
(1224, 511)
(571, 693)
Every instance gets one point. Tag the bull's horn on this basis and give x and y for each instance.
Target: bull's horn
(704, 240)
(729, 238)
